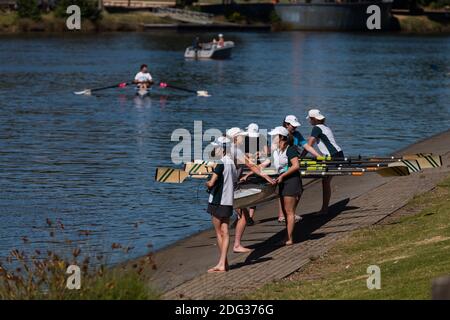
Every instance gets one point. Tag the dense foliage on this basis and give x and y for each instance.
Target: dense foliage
(28, 9)
(89, 8)
(433, 3)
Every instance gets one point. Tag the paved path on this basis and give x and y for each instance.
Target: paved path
(357, 202)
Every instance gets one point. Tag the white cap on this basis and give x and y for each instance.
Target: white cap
(220, 35)
(221, 141)
(233, 132)
(252, 130)
(279, 131)
(292, 120)
(315, 113)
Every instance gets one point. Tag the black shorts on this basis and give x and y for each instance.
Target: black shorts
(291, 186)
(220, 211)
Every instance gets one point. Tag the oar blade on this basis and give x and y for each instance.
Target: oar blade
(416, 156)
(203, 93)
(395, 171)
(412, 165)
(83, 92)
(170, 175)
(430, 161)
(199, 167)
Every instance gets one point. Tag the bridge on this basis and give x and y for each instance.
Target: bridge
(137, 4)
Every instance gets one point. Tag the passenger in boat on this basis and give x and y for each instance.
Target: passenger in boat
(236, 135)
(291, 123)
(256, 149)
(286, 162)
(323, 137)
(196, 45)
(220, 204)
(221, 42)
(143, 78)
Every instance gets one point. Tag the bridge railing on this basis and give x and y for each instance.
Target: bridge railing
(186, 15)
(137, 4)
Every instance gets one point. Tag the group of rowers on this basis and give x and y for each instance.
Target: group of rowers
(239, 161)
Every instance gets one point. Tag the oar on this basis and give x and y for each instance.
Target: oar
(384, 172)
(412, 165)
(200, 93)
(417, 164)
(89, 91)
(375, 158)
(200, 167)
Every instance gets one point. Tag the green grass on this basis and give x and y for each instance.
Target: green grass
(10, 23)
(421, 24)
(410, 250)
(7, 19)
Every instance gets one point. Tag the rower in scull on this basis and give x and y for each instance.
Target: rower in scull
(143, 79)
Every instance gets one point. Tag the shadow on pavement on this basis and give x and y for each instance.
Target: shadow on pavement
(303, 231)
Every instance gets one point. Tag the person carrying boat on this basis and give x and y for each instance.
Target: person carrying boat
(255, 149)
(220, 203)
(286, 162)
(236, 135)
(291, 123)
(323, 137)
(143, 78)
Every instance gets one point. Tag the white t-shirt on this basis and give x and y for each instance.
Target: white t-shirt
(143, 77)
(223, 192)
(325, 140)
(280, 160)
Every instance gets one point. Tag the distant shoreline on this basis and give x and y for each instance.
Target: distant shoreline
(143, 21)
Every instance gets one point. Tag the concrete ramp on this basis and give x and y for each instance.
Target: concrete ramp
(184, 15)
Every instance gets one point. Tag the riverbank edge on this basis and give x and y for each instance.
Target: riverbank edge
(194, 242)
(306, 183)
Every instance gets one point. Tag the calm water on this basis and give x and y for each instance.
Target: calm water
(89, 161)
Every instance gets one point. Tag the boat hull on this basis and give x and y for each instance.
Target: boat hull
(210, 52)
(253, 194)
(332, 16)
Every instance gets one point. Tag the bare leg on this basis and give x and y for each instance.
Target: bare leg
(240, 228)
(289, 204)
(216, 224)
(222, 225)
(251, 212)
(280, 211)
(326, 195)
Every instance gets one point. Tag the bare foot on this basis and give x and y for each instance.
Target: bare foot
(241, 249)
(289, 243)
(217, 269)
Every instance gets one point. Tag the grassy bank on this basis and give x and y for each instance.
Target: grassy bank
(11, 23)
(421, 25)
(411, 248)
